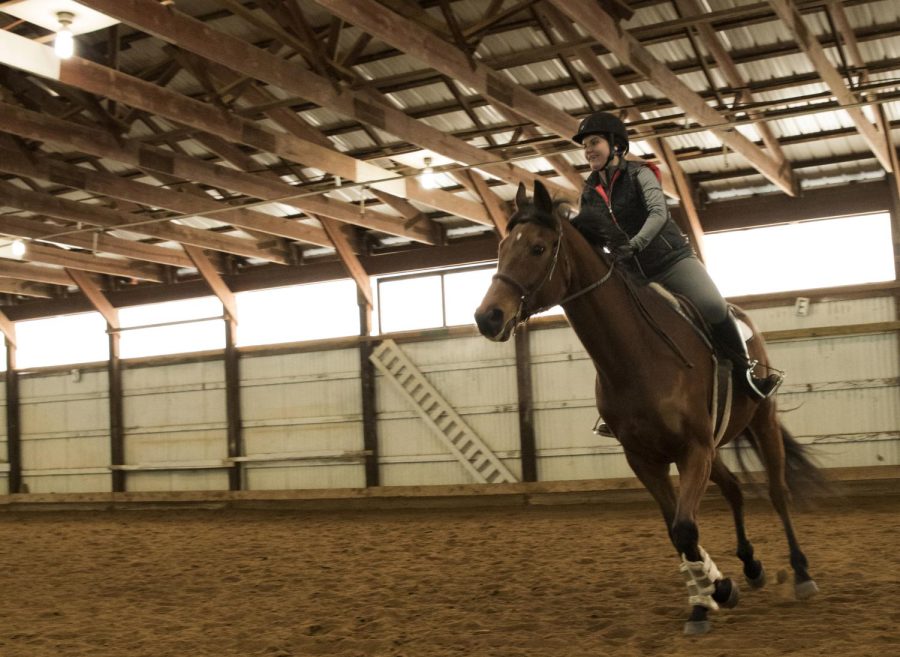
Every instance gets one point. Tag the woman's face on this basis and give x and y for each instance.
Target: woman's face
(596, 151)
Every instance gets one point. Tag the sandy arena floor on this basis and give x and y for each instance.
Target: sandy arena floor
(565, 580)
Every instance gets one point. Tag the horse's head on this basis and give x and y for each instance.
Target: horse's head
(528, 277)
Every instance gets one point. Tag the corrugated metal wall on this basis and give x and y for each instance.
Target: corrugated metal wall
(302, 416)
(478, 379)
(302, 405)
(175, 413)
(65, 431)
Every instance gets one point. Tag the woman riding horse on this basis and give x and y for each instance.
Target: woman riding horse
(627, 196)
(656, 385)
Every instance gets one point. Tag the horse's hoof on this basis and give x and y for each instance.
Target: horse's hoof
(805, 590)
(733, 593)
(759, 581)
(697, 627)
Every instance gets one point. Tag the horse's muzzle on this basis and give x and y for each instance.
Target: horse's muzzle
(492, 324)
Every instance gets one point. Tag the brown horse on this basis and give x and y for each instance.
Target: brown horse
(655, 381)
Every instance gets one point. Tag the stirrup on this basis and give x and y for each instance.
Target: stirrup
(766, 387)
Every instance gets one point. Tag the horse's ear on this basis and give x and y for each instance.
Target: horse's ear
(542, 198)
(521, 196)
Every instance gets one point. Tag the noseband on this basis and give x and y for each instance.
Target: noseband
(522, 312)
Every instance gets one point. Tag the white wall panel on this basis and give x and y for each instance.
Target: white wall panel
(831, 312)
(300, 410)
(175, 413)
(301, 404)
(65, 431)
(478, 379)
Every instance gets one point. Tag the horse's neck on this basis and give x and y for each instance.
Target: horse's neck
(606, 320)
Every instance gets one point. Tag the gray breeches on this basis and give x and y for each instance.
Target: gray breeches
(689, 278)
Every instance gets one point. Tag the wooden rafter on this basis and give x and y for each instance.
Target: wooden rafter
(36, 228)
(830, 75)
(410, 37)
(630, 52)
(94, 293)
(732, 76)
(209, 273)
(89, 140)
(150, 195)
(361, 104)
(348, 257)
(97, 215)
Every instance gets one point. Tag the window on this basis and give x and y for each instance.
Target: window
(177, 338)
(463, 292)
(61, 340)
(807, 255)
(299, 312)
(405, 304)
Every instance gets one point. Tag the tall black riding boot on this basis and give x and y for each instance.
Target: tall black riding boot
(727, 334)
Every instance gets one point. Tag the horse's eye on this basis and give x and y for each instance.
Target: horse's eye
(537, 250)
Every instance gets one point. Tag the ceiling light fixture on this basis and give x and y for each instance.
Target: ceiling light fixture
(428, 177)
(64, 45)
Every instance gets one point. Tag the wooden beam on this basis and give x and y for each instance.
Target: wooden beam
(92, 291)
(348, 257)
(137, 93)
(212, 278)
(116, 413)
(88, 140)
(408, 36)
(13, 421)
(97, 215)
(789, 15)
(8, 327)
(27, 289)
(524, 392)
(498, 212)
(368, 394)
(50, 255)
(34, 227)
(361, 104)
(600, 25)
(234, 420)
(729, 71)
(36, 273)
(107, 184)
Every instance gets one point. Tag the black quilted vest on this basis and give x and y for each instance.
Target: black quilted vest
(630, 211)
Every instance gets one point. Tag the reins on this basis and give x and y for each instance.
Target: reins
(522, 312)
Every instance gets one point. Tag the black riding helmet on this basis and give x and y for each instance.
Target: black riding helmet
(607, 125)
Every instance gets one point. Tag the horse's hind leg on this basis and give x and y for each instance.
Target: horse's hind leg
(706, 586)
(731, 491)
(770, 443)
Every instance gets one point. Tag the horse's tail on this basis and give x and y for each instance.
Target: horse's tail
(803, 476)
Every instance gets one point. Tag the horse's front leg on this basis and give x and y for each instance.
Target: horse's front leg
(707, 588)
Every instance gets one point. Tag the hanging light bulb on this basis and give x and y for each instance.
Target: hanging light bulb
(428, 177)
(64, 46)
(18, 249)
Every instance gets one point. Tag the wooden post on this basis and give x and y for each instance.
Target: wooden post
(233, 404)
(116, 423)
(367, 380)
(13, 430)
(526, 405)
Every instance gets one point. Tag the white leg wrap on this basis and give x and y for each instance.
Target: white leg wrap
(700, 578)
